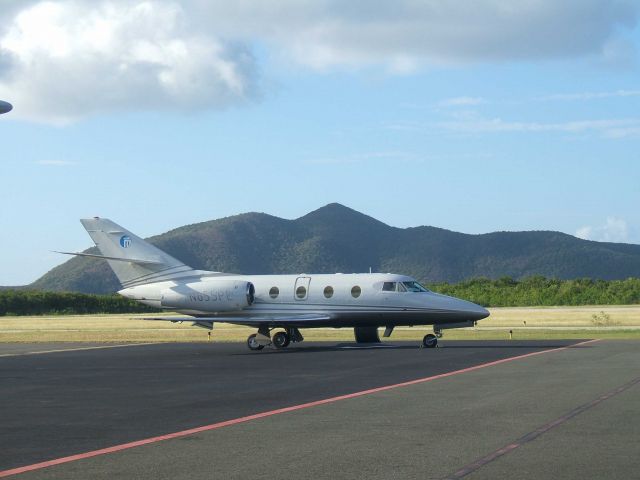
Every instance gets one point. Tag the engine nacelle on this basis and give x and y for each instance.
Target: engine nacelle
(217, 295)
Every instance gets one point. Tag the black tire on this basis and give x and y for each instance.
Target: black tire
(281, 340)
(430, 341)
(253, 344)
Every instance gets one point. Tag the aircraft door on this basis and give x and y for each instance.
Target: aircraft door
(301, 289)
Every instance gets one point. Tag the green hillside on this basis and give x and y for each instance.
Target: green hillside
(335, 238)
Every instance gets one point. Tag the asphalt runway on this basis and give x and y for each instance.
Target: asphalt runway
(552, 412)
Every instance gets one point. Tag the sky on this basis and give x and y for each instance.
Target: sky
(477, 116)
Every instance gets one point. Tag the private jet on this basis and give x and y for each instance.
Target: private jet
(286, 303)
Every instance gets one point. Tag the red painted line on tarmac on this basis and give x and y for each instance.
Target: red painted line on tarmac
(235, 421)
(481, 462)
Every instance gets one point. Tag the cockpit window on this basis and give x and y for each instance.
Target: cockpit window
(389, 287)
(403, 287)
(414, 287)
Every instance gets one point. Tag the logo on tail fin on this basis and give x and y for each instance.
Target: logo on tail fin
(125, 241)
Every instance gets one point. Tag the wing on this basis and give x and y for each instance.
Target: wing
(278, 320)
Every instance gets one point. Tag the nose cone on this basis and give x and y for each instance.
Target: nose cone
(456, 308)
(472, 311)
(480, 312)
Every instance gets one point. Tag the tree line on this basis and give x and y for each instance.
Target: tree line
(540, 291)
(34, 302)
(504, 292)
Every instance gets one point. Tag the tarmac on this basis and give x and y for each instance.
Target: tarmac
(501, 409)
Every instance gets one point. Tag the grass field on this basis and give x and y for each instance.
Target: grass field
(526, 323)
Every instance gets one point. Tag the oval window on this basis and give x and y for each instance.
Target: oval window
(356, 291)
(328, 292)
(301, 292)
(274, 292)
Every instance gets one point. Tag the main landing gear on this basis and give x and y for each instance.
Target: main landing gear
(252, 342)
(280, 340)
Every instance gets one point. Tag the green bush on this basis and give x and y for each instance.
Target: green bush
(540, 291)
(33, 302)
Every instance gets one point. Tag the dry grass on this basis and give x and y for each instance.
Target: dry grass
(620, 316)
(541, 323)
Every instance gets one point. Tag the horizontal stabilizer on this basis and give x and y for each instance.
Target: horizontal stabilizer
(118, 259)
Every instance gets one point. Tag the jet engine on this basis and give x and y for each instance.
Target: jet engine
(209, 296)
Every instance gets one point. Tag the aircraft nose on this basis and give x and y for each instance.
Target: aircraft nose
(474, 311)
(480, 312)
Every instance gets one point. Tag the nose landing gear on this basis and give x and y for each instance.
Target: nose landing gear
(430, 341)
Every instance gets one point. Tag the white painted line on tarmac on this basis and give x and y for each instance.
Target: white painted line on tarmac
(366, 347)
(41, 352)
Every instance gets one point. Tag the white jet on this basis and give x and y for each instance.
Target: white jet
(363, 302)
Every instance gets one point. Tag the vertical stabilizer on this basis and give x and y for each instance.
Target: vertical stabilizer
(133, 260)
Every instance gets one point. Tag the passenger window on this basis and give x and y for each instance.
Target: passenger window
(389, 287)
(401, 287)
(274, 292)
(301, 292)
(328, 292)
(356, 291)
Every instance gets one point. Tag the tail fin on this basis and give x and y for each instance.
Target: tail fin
(133, 260)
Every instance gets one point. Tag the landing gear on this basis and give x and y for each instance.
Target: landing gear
(281, 340)
(366, 334)
(252, 343)
(430, 341)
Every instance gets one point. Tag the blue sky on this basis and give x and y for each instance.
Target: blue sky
(159, 114)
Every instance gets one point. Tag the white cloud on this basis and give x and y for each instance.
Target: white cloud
(397, 157)
(55, 163)
(386, 157)
(592, 95)
(586, 233)
(64, 60)
(470, 122)
(615, 229)
(609, 128)
(619, 53)
(405, 33)
(462, 102)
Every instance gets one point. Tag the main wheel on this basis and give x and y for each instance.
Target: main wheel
(281, 340)
(253, 344)
(430, 341)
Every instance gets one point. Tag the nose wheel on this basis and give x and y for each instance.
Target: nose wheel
(430, 341)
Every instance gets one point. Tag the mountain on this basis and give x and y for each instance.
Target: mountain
(335, 238)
